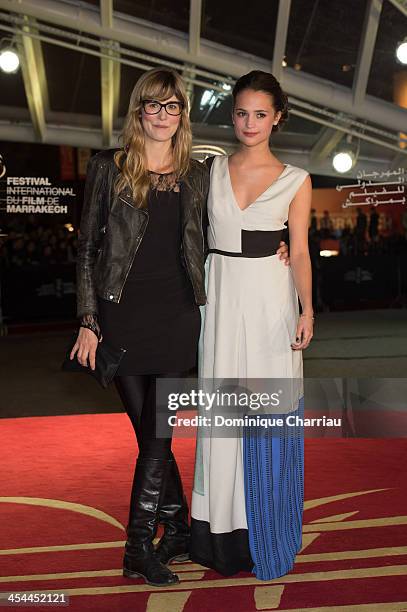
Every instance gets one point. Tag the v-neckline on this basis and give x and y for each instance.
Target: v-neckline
(260, 194)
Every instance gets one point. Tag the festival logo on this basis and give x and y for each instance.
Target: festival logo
(33, 194)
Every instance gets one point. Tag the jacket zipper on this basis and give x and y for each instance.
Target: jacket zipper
(187, 264)
(185, 256)
(202, 235)
(203, 250)
(139, 239)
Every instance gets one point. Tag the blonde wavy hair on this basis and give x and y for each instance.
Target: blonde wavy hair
(156, 84)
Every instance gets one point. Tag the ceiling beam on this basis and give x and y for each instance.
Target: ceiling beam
(337, 97)
(106, 13)
(116, 80)
(218, 58)
(280, 38)
(91, 137)
(194, 41)
(366, 50)
(34, 77)
(401, 5)
(56, 134)
(195, 22)
(195, 16)
(189, 86)
(399, 161)
(109, 76)
(326, 143)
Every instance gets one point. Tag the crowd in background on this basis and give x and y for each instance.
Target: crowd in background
(364, 238)
(28, 242)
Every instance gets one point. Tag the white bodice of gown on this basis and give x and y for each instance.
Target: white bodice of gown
(269, 212)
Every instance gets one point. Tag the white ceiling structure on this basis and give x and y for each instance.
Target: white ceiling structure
(117, 40)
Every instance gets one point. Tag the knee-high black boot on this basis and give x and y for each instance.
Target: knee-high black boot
(140, 559)
(173, 514)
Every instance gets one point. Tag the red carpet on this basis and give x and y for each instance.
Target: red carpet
(65, 485)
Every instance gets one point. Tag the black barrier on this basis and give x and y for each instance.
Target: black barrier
(346, 283)
(358, 282)
(39, 292)
(403, 277)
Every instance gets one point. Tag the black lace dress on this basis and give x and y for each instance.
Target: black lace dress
(157, 319)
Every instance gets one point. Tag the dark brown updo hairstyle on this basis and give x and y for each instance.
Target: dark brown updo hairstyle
(257, 80)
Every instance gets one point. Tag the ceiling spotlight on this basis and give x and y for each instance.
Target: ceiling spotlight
(343, 161)
(226, 87)
(207, 97)
(297, 66)
(346, 155)
(401, 52)
(9, 60)
(284, 63)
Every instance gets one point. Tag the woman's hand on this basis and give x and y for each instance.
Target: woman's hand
(282, 252)
(304, 333)
(86, 345)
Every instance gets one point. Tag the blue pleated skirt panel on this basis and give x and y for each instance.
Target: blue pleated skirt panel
(274, 494)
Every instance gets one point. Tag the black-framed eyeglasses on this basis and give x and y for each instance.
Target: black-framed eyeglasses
(153, 107)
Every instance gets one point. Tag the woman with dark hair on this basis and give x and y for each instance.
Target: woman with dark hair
(248, 493)
(140, 281)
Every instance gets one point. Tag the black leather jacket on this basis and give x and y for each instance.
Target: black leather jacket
(112, 228)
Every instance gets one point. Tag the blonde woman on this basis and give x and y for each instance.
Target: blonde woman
(140, 283)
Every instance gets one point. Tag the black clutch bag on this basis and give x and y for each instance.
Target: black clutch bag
(107, 363)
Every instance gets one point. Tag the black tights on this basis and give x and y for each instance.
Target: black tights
(138, 394)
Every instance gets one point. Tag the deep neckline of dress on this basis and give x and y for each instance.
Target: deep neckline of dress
(259, 196)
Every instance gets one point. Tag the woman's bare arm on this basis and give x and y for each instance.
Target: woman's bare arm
(298, 220)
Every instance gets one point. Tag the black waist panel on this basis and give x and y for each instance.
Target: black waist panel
(256, 244)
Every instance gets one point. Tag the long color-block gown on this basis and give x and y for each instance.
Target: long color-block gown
(247, 499)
